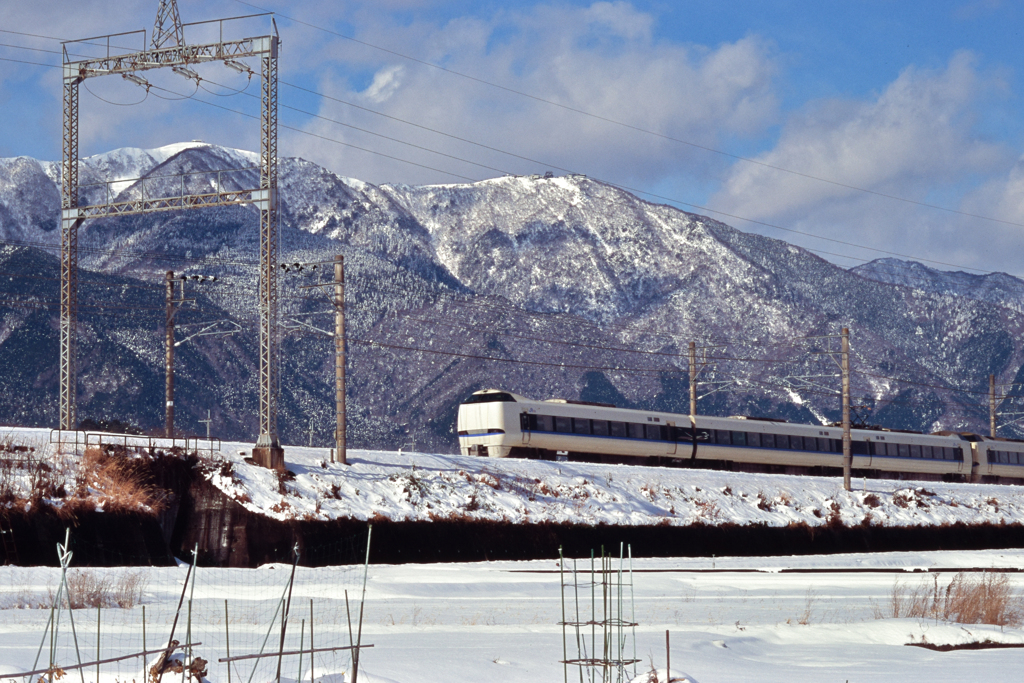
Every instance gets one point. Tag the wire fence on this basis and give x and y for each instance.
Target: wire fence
(184, 623)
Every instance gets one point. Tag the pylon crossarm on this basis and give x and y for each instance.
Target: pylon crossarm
(179, 55)
(189, 201)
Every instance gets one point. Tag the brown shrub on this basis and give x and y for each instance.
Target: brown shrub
(124, 485)
(91, 588)
(966, 599)
(872, 500)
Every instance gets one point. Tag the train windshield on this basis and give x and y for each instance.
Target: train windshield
(495, 397)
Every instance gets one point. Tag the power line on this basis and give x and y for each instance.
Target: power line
(491, 168)
(623, 124)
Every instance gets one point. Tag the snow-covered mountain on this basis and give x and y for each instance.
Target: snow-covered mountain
(997, 288)
(558, 286)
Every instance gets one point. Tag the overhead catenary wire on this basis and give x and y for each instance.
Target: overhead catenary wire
(614, 184)
(623, 124)
(561, 365)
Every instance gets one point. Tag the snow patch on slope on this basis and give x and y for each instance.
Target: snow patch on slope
(420, 487)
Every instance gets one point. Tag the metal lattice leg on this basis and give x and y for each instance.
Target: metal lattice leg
(70, 221)
(268, 450)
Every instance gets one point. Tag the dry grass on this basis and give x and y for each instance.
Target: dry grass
(116, 482)
(809, 600)
(92, 588)
(966, 599)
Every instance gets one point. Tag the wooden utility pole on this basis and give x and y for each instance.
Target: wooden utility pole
(169, 359)
(693, 379)
(847, 455)
(339, 359)
(992, 406)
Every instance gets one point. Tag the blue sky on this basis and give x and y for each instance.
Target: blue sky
(857, 115)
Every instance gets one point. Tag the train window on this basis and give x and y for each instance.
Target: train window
(497, 397)
(823, 445)
(600, 427)
(753, 439)
(1004, 457)
(539, 423)
(618, 429)
(739, 438)
(926, 452)
(768, 441)
(722, 437)
(904, 450)
(1014, 458)
(948, 453)
(796, 443)
(653, 433)
(563, 424)
(580, 425)
(636, 431)
(915, 451)
(782, 441)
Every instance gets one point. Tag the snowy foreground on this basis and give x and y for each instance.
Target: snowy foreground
(497, 621)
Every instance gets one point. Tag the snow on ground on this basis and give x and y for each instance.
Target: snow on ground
(418, 486)
(498, 621)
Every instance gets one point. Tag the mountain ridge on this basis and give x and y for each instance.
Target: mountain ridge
(561, 286)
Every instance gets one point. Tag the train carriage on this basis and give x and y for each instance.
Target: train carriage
(999, 459)
(502, 424)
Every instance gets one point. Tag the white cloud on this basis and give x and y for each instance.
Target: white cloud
(914, 140)
(601, 58)
(911, 136)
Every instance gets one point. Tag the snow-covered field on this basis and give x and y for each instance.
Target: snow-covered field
(498, 621)
(809, 618)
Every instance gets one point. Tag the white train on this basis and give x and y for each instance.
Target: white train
(501, 424)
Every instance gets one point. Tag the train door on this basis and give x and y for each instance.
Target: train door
(524, 427)
(673, 445)
(976, 456)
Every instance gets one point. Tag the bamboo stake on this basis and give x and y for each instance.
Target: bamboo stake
(561, 593)
(302, 645)
(287, 609)
(668, 659)
(227, 638)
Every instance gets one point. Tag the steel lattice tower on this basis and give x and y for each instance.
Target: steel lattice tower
(168, 28)
(167, 13)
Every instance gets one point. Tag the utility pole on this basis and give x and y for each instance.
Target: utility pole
(169, 357)
(208, 421)
(693, 379)
(847, 456)
(992, 406)
(339, 359)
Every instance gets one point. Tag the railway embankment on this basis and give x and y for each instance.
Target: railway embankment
(133, 509)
